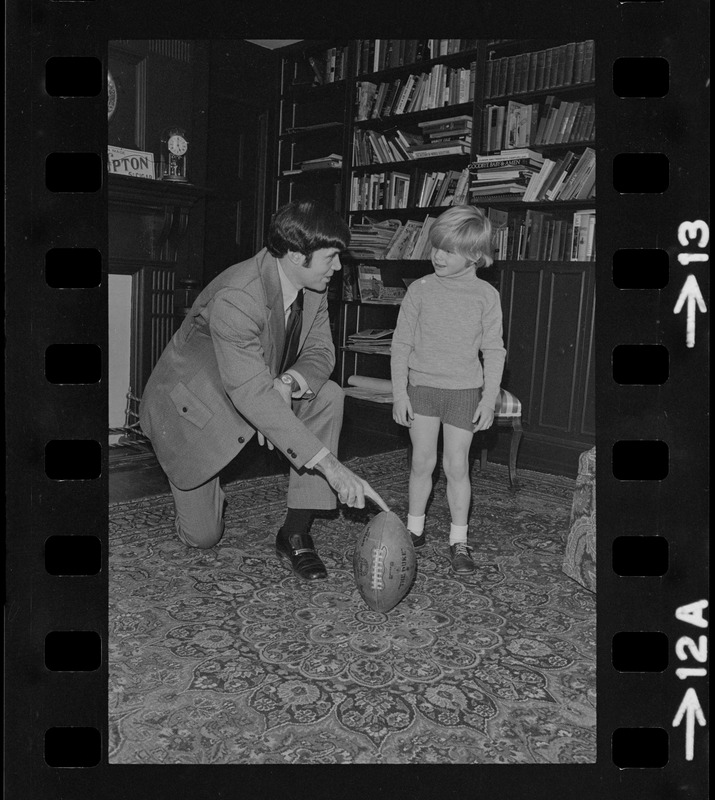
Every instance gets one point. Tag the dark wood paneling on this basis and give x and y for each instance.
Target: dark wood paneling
(241, 99)
(557, 366)
(521, 304)
(548, 332)
(587, 401)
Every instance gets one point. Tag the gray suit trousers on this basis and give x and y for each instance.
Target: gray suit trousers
(199, 511)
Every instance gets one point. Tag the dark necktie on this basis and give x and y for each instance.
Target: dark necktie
(293, 328)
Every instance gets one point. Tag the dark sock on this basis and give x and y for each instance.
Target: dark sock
(297, 521)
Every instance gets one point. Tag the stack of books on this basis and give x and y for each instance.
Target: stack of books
(371, 147)
(503, 175)
(444, 141)
(449, 136)
(434, 149)
(332, 161)
(372, 340)
(370, 239)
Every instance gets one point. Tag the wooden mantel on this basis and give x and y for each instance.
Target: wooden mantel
(122, 188)
(149, 231)
(149, 218)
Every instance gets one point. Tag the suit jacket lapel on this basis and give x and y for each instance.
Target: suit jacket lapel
(268, 270)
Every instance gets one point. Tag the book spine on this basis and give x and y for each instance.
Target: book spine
(591, 239)
(540, 66)
(569, 122)
(564, 122)
(570, 57)
(532, 71)
(503, 75)
(379, 56)
(578, 63)
(589, 72)
(575, 234)
(404, 95)
(510, 69)
(500, 163)
(440, 151)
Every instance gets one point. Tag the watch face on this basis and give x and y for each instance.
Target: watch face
(177, 145)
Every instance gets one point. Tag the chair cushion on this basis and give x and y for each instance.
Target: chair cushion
(507, 405)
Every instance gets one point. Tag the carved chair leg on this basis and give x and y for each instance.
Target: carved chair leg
(517, 431)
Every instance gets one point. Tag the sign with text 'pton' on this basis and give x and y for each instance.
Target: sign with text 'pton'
(134, 163)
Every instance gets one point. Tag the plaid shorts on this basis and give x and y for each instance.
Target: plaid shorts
(453, 406)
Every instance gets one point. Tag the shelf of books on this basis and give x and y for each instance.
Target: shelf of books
(395, 131)
(401, 167)
(413, 124)
(540, 69)
(380, 55)
(538, 150)
(312, 122)
(372, 293)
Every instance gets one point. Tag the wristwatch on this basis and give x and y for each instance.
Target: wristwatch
(289, 380)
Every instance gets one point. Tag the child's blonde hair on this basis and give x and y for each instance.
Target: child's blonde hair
(465, 230)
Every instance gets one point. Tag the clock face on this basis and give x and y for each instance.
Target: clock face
(177, 145)
(111, 96)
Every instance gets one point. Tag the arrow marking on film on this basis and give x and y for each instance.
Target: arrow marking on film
(691, 710)
(691, 293)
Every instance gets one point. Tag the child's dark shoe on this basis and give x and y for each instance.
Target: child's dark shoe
(461, 559)
(418, 541)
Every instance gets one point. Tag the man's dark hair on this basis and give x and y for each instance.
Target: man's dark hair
(305, 226)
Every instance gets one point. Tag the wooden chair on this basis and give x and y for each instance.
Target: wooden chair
(507, 412)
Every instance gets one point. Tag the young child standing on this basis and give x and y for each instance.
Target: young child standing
(445, 321)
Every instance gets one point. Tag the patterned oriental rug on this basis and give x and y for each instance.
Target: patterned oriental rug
(223, 656)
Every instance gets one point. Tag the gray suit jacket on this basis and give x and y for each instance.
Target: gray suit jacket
(212, 387)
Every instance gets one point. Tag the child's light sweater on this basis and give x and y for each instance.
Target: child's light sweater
(443, 324)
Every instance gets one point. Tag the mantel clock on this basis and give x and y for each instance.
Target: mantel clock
(172, 158)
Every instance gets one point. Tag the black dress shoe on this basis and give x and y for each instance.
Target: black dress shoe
(299, 551)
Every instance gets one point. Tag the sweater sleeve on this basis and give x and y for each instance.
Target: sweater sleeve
(492, 348)
(402, 345)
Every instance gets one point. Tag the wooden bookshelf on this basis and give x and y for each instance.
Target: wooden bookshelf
(547, 304)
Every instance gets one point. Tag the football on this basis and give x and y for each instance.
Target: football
(384, 562)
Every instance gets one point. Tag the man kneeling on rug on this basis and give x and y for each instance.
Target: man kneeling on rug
(254, 355)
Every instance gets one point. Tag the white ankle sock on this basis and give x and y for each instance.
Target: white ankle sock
(457, 533)
(415, 525)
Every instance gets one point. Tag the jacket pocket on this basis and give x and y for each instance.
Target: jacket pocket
(189, 406)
